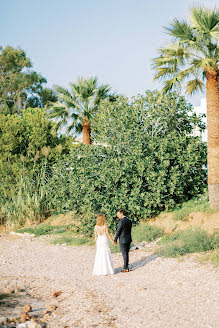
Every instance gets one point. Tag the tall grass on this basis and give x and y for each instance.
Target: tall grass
(188, 241)
(73, 241)
(145, 232)
(200, 204)
(45, 229)
(27, 202)
(212, 256)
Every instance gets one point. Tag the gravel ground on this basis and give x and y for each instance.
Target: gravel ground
(157, 293)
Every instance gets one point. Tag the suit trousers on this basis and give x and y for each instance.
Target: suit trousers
(124, 247)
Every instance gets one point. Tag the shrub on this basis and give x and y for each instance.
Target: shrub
(147, 163)
(188, 241)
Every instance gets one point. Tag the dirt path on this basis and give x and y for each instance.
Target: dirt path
(158, 293)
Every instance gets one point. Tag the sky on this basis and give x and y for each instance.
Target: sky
(114, 40)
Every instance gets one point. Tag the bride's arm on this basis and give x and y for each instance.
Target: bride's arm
(108, 234)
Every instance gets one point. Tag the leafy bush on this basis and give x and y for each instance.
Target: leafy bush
(145, 161)
(28, 148)
(25, 141)
(188, 241)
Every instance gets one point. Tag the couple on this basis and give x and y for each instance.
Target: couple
(103, 264)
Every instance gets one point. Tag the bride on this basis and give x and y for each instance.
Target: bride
(103, 263)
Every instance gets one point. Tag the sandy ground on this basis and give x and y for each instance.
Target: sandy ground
(157, 293)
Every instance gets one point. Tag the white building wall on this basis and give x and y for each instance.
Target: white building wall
(202, 109)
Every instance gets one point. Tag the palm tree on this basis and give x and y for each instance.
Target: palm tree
(75, 108)
(193, 57)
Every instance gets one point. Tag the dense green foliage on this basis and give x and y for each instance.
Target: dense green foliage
(188, 241)
(147, 162)
(144, 157)
(28, 148)
(25, 141)
(20, 86)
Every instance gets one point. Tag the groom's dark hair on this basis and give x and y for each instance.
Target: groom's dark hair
(121, 211)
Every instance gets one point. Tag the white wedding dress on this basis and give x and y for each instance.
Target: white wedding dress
(103, 263)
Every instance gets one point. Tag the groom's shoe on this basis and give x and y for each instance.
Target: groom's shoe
(125, 270)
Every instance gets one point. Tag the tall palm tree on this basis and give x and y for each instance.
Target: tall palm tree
(76, 107)
(193, 58)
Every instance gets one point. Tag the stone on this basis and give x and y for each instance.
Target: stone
(56, 294)
(27, 308)
(22, 325)
(45, 317)
(133, 248)
(33, 324)
(51, 307)
(13, 319)
(3, 320)
(24, 317)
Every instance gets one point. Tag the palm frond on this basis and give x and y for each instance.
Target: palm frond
(205, 22)
(170, 85)
(78, 128)
(58, 110)
(194, 86)
(163, 73)
(181, 31)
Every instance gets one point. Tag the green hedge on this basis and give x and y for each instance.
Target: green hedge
(143, 169)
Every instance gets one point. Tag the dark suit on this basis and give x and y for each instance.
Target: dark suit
(123, 232)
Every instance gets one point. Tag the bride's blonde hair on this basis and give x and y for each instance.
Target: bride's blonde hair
(101, 220)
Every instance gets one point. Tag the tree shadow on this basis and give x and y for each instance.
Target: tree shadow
(140, 263)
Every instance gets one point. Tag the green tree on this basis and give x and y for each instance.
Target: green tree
(24, 141)
(76, 107)
(146, 162)
(193, 58)
(20, 86)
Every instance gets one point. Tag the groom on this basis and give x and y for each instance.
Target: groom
(123, 232)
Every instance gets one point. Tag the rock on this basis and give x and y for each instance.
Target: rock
(56, 294)
(51, 307)
(13, 319)
(33, 324)
(134, 248)
(27, 308)
(22, 325)
(24, 317)
(45, 317)
(3, 320)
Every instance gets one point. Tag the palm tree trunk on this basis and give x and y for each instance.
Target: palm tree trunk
(86, 132)
(212, 96)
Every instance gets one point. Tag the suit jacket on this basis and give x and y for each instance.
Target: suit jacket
(123, 231)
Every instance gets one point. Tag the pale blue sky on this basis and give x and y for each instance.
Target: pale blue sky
(113, 39)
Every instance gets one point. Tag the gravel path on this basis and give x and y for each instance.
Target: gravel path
(158, 293)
